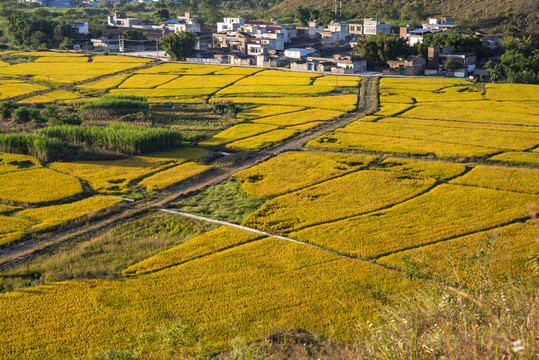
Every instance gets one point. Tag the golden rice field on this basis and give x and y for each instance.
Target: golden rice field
(450, 94)
(398, 145)
(106, 83)
(262, 79)
(11, 238)
(338, 80)
(254, 90)
(36, 186)
(115, 176)
(12, 88)
(512, 92)
(201, 81)
(173, 176)
(12, 224)
(502, 178)
(510, 247)
(206, 244)
(237, 132)
(62, 59)
(417, 83)
(145, 81)
(4, 209)
(230, 292)
(164, 92)
(518, 158)
(392, 109)
(299, 117)
(262, 141)
(295, 170)
(307, 126)
(418, 169)
(53, 96)
(17, 162)
(338, 102)
(50, 216)
(182, 69)
(350, 195)
(236, 70)
(266, 110)
(447, 209)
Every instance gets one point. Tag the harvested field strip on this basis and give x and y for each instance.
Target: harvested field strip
(295, 170)
(36, 186)
(208, 243)
(396, 145)
(437, 131)
(350, 195)
(502, 178)
(262, 141)
(441, 214)
(509, 247)
(254, 287)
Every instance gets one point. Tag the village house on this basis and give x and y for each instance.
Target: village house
(312, 31)
(188, 22)
(230, 24)
(411, 66)
(438, 55)
(374, 27)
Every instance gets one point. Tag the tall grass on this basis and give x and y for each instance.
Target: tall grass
(114, 105)
(130, 140)
(37, 145)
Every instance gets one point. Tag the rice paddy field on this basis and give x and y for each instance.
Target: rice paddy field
(318, 237)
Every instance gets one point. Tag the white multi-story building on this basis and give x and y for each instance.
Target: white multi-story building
(230, 24)
(374, 27)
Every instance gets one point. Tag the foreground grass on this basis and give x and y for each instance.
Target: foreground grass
(106, 254)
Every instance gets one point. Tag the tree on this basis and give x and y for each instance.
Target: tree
(382, 47)
(452, 64)
(211, 12)
(413, 11)
(302, 15)
(180, 45)
(161, 15)
(461, 43)
(327, 15)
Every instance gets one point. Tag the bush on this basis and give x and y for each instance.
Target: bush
(34, 145)
(114, 105)
(22, 114)
(6, 110)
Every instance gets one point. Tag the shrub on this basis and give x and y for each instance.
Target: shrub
(22, 114)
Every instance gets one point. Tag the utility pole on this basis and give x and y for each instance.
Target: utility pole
(338, 10)
(156, 47)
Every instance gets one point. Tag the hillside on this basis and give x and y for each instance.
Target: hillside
(494, 15)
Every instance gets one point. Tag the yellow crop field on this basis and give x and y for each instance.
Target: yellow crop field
(338, 102)
(237, 132)
(426, 84)
(510, 247)
(519, 158)
(206, 244)
(11, 88)
(120, 59)
(396, 145)
(262, 141)
(266, 110)
(177, 100)
(307, 126)
(395, 96)
(454, 93)
(164, 92)
(353, 194)
(338, 80)
(145, 81)
(281, 73)
(502, 178)
(4, 209)
(476, 111)
(256, 90)
(173, 176)
(252, 288)
(441, 214)
(513, 92)
(62, 59)
(58, 95)
(37, 186)
(182, 69)
(53, 54)
(368, 118)
(201, 81)
(17, 162)
(115, 176)
(422, 169)
(261, 79)
(299, 117)
(503, 137)
(295, 170)
(12, 224)
(392, 109)
(76, 71)
(51, 216)
(11, 238)
(105, 83)
(236, 71)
